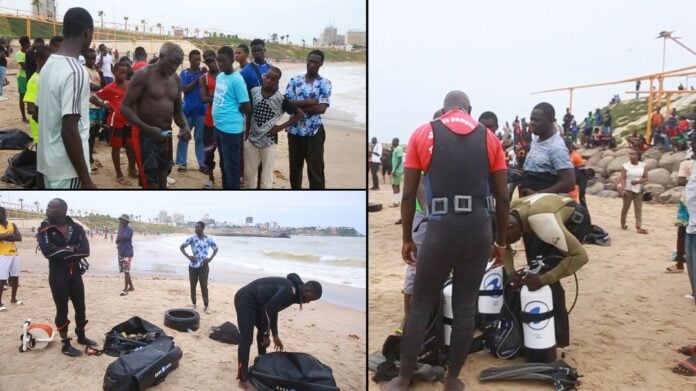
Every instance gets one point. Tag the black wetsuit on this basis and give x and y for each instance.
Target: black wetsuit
(257, 304)
(64, 254)
(458, 242)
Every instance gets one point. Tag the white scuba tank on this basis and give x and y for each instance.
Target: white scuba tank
(490, 303)
(447, 313)
(539, 337)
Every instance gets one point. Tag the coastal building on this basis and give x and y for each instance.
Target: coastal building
(356, 38)
(43, 9)
(328, 37)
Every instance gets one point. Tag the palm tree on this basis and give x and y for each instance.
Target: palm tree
(125, 25)
(197, 31)
(101, 17)
(187, 31)
(36, 203)
(314, 41)
(303, 43)
(142, 21)
(21, 206)
(287, 38)
(274, 37)
(159, 26)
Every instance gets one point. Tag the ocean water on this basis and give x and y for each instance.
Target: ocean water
(348, 95)
(336, 260)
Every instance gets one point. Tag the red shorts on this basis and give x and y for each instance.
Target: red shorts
(121, 137)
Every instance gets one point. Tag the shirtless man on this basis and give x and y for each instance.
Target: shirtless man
(152, 101)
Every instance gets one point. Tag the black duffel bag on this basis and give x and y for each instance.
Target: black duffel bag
(130, 335)
(21, 169)
(144, 367)
(291, 371)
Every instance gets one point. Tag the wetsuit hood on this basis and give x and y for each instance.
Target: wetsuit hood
(297, 282)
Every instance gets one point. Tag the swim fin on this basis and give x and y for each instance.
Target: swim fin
(562, 375)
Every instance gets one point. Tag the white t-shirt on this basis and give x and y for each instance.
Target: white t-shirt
(106, 65)
(690, 192)
(376, 153)
(633, 172)
(64, 91)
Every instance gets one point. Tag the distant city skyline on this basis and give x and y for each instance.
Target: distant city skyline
(286, 208)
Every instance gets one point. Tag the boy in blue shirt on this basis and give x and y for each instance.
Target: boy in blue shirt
(194, 110)
(230, 106)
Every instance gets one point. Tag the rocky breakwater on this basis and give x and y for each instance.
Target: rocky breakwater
(662, 172)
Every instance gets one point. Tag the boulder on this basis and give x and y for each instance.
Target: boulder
(661, 177)
(655, 189)
(605, 162)
(616, 164)
(653, 153)
(671, 196)
(610, 186)
(615, 178)
(595, 188)
(674, 177)
(600, 172)
(622, 152)
(593, 160)
(588, 153)
(608, 194)
(650, 163)
(607, 153)
(671, 160)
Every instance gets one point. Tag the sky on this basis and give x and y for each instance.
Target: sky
(287, 208)
(500, 51)
(249, 19)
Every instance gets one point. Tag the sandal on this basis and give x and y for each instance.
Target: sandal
(124, 293)
(123, 181)
(209, 185)
(641, 231)
(686, 367)
(689, 350)
(674, 269)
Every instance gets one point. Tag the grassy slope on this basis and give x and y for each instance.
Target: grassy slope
(13, 27)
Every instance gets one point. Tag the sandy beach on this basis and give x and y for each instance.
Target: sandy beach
(344, 148)
(334, 334)
(629, 319)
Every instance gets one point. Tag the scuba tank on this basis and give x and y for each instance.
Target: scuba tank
(447, 313)
(490, 299)
(537, 320)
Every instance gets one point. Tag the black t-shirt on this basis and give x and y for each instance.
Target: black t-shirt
(3, 59)
(30, 65)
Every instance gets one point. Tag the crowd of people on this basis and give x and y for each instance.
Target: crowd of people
(460, 158)
(86, 94)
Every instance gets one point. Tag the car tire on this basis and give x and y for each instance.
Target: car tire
(182, 319)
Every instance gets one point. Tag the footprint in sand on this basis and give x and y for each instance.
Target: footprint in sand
(353, 336)
(279, 175)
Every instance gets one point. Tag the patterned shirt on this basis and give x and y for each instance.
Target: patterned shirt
(298, 89)
(549, 155)
(200, 248)
(266, 114)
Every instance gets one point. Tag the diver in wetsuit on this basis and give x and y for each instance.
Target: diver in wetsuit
(549, 224)
(257, 305)
(64, 243)
(459, 157)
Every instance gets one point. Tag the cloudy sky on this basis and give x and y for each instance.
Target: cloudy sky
(499, 51)
(298, 18)
(290, 209)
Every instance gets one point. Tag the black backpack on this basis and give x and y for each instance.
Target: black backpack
(130, 335)
(282, 371)
(598, 236)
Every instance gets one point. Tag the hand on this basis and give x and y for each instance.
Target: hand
(191, 258)
(207, 260)
(276, 129)
(204, 69)
(532, 280)
(635, 181)
(185, 134)
(266, 341)
(498, 254)
(409, 253)
(157, 134)
(108, 106)
(278, 344)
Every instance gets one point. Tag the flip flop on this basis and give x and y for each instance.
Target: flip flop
(124, 293)
(686, 367)
(123, 181)
(688, 350)
(18, 302)
(674, 269)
